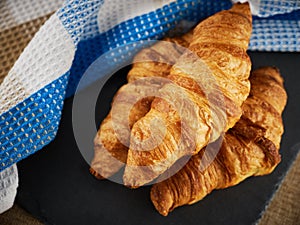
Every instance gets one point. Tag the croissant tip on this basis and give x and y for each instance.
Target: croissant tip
(161, 199)
(270, 71)
(96, 174)
(131, 186)
(242, 9)
(241, 4)
(127, 181)
(130, 182)
(137, 176)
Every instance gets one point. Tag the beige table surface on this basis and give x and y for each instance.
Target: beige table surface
(283, 209)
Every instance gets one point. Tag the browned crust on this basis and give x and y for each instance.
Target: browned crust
(110, 152)
(248, 149)
(220, 42)
(96, 174)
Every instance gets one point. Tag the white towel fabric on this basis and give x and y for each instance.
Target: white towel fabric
(14, 13)
(8, 187)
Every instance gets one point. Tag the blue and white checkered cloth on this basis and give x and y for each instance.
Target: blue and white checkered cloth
(50, 67)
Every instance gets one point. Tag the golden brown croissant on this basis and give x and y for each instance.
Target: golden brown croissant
(250, 148)
(110, 148)
(217, 61)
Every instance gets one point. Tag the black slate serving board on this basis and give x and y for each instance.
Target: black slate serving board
(56, 187)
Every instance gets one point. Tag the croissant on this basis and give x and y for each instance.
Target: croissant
(217, 62)
(250, 148)
(111, 141)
